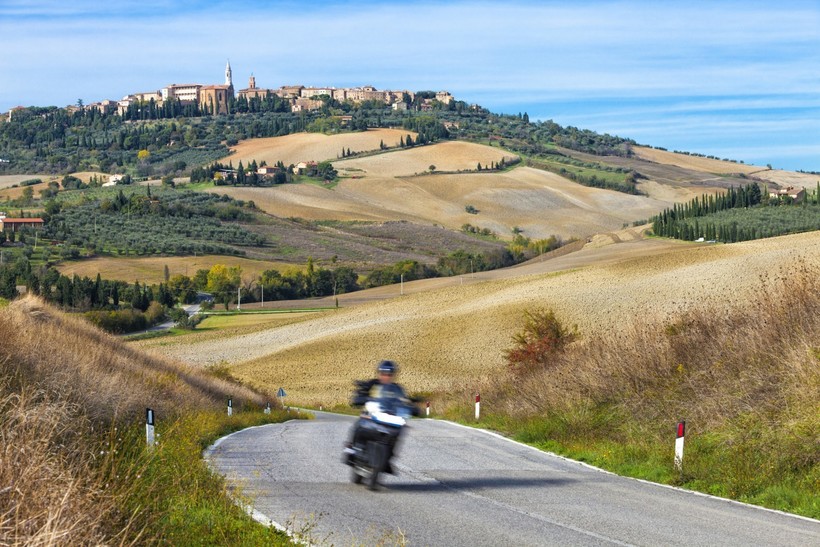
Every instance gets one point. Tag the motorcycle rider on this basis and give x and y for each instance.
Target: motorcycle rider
(386, 390)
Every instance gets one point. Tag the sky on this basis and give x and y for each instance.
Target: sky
(733, 79)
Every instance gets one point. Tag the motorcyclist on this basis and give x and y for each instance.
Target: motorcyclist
(384, 389)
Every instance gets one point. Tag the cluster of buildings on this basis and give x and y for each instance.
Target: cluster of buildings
(216, 99)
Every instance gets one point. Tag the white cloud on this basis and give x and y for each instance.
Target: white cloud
(729, 55)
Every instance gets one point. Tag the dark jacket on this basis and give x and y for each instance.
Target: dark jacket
(387, 394)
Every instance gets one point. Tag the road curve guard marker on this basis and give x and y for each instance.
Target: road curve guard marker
(679, 446)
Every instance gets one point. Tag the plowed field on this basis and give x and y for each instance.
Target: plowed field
(455, 334)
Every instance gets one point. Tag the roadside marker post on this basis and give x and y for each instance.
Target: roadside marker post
(477, 405)
(149, 428)
(267, 408)
(679, 446)
(230, 407)
(428, 409)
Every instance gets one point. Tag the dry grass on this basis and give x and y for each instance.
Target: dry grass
(446, 156)
(538, 202)
(86, 365)
(48, 491)
(710, 364)
(291, 149)
(152, 270)
(719, 167)
(694, 162)
(61, 380)
(454, 335)
(6, 181)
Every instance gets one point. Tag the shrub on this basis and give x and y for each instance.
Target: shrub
(541, 342)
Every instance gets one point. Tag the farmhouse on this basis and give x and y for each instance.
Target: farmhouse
(302, 166)
(797, 194)
(14, 224)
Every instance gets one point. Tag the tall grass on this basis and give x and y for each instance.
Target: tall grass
(746, 380)
(74, 468)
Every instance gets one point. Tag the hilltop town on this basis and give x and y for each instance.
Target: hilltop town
(219, 98)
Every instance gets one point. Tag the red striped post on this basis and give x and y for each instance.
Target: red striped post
(477, 405)
(679, 446)
(428, 409)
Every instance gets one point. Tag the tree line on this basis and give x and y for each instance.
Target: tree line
(740, 214)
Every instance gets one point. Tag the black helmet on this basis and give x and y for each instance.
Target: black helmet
(387, 367)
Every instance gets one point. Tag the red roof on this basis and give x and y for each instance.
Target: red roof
(22, 220)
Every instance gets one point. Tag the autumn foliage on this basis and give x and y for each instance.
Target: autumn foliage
(541, 342)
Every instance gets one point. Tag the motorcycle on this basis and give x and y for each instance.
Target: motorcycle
(377, 433)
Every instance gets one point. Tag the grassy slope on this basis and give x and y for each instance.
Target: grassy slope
(73, 464)
(663, 337)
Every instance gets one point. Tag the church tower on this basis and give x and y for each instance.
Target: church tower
(228, 79)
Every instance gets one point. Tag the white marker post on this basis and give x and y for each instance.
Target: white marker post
(267, 408)
(149, 428)
(679, 446)
(477, 405)
(230, 407)
(428, 409)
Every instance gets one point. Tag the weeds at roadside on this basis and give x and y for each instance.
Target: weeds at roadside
(746, 381)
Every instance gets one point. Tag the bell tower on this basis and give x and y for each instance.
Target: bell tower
(228, 79)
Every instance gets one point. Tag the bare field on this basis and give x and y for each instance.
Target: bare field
(7, 181)
(789, 178)
(696, 163)
(452, 337)
(152, 270)
(292, 149)
(14, 193)
(538, 202)
(777, 176)
(445, 156)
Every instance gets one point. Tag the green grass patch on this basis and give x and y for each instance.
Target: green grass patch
(176, 497)
(744, 460)
(198, 186)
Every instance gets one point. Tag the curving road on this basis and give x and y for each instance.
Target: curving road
(462, 486)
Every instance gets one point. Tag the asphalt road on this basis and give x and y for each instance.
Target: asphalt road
(461, 486)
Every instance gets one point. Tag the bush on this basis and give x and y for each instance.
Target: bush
(118, 322)
(541, 342)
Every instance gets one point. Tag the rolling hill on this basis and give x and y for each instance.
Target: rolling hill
(455, 335)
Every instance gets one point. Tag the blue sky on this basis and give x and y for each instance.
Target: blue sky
(733, 79)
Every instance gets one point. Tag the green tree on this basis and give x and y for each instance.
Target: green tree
(223, 282)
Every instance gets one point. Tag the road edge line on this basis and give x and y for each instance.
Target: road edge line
(644, 481)
(255, 514)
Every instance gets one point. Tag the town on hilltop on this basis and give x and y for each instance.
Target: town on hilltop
(218, 99)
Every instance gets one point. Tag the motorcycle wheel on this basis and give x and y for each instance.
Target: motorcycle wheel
(355, 477)
(377, 452)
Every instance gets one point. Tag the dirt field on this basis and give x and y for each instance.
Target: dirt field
(449, 336)
(694, 162)
(152, 270)
(539, 203)
(292, 149)
(7, 181)
(779, 177)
